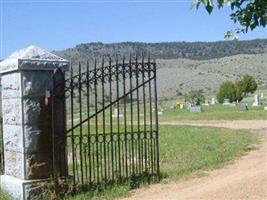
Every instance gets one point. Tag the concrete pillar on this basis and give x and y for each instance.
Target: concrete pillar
(25, 77)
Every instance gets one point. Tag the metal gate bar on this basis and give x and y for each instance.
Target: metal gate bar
(112, 123)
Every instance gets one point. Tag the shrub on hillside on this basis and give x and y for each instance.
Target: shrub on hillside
(195, 97)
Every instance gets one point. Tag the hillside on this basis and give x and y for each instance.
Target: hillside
(185, 66)
(184, 74)
(165, 50)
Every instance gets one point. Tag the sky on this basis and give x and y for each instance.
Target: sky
(61, 24)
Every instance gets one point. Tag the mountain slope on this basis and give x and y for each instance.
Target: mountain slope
(165, 50)
(185, 66)
(184, 74)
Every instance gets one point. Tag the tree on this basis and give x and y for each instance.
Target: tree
(247, 85)
(248, 13)
(237, 91)
(228, 90)
(195, 97)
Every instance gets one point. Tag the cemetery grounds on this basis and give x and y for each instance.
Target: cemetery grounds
(208, 155)
(244, 177)
(217, 153)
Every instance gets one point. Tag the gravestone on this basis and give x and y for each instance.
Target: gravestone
(242, 107)
(213, 101)
(160, 112)
(26, 77)
(189, 106)
(256, 100)
(226, 102)
(196, 109)
(173, 107)
(206, 103)
(116, 114)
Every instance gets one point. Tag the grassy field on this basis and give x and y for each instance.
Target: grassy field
(212, 112)
(187, 151)
(3, 196)
(215, 112)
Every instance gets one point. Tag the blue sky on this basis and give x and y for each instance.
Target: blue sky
(56, 25)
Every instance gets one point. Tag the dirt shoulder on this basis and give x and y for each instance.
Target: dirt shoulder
(232, 124)
(246, 178)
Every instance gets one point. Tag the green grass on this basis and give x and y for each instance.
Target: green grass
(3, 196)
(214, 112)
(186, 151)
(113, 192)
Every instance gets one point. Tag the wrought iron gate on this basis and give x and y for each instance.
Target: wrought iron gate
(111, 123)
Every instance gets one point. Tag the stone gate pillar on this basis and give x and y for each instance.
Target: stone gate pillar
(25, 77)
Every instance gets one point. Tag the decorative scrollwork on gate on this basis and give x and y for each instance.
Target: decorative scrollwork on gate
(112, 122)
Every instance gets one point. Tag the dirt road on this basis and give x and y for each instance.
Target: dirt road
(246, 178)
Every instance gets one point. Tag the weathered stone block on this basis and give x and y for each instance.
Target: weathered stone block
(36, 138)
(31, 110)
(35, 190)
(35, 111)
(36, 82)
(11, 85)
(11, 110)
(12, 186)
(20, 189)
(14, 164)
(39, 166)
(38, 151)
(12, 135)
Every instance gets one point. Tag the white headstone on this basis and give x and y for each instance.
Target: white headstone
(116, 113)
(206, 103)
(226, 102)
(256, 100)
(213, 101)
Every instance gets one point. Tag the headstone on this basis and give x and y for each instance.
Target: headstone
(189, 106)
(116, 114)
(242, 107)
(173, 107)
(262, 96)
(196, 109)
(181, 106)
(26, 77)
(256, 100)
(213, 101)
(206, 103)
(226, 102)
(265, 108)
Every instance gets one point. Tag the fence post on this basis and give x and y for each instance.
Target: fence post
(26, 78)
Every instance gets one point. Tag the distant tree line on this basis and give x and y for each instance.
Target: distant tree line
(163, 50)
